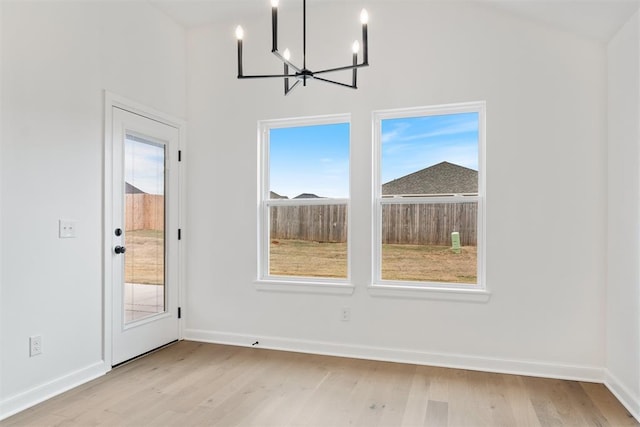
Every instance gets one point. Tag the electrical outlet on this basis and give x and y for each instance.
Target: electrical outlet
(35, 345)
(66, 229)
(346, 314)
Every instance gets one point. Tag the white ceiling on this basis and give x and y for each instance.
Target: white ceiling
(594, 19)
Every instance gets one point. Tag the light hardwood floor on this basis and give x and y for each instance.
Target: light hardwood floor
(196, 384)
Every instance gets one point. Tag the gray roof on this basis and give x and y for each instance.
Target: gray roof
(274, 195)
(442, 178)
(307, 196)
(130, 189)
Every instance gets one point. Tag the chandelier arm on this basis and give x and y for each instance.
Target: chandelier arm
(274, 28)
(303, 74)
(283, 59)
(347, 67)
(286, 79)
(266, 76)
(354, 73)
(239, 58)
(365, 43)
(289, 89)
(351, 86)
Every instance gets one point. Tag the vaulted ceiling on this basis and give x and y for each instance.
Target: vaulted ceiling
(594, 19)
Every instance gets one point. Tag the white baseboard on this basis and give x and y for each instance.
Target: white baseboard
(623, 394)
(459, 361)
(19, 402)
(24, 400)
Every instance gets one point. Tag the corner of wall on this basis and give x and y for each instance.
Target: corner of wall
(623, 394)
(622, 366)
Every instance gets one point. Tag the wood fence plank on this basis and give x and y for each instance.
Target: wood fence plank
(410, 223)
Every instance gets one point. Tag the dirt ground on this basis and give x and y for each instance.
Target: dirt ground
(144, 259)
(399, 262)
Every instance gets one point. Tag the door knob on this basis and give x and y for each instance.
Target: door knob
(119, 249)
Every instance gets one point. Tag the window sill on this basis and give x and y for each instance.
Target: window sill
(329, 288)
(429, 292)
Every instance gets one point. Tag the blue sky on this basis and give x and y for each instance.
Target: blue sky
(310, 159)
(315, 159)
(144, 165)
(411, 144)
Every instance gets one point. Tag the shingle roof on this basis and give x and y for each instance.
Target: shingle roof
(274, 195)
(130, 189)
(307, 196)
(442, 178)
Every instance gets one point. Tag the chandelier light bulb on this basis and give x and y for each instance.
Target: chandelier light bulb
(364, 16)
(298, 75)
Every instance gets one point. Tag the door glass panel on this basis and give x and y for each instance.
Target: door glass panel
(144, 170)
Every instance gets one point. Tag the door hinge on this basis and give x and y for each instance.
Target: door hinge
(179, 234)
(179, 312)
(179, 155)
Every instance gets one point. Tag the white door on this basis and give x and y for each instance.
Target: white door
(144, 235)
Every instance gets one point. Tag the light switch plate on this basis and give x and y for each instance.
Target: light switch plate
(67, 229)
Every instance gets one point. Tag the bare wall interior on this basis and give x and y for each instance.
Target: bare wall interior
(546, 258)
(58, 58)
(623, 281)
(546, 186)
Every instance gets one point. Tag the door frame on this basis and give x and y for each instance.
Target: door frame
(112, 100)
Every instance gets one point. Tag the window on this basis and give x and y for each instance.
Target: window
(429, 197)
(304, 200)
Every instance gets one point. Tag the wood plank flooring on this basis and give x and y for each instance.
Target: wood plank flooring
(197, 384)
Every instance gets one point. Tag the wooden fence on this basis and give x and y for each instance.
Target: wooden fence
(144, 212)
(415, 224)
(318, 223)
(429, 224)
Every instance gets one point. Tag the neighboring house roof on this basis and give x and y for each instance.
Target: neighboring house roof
(274, 195)
(130, 189)
(442, 178)
(307, 196)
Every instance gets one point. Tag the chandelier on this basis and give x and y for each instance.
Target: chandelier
(302, 74)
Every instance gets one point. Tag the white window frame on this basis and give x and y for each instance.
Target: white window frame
(265, 281)
(437, 290)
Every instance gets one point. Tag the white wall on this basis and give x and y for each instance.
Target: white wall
(546, 94)
(1, 178)
(57, 58)
(623, 285)
(546, 180)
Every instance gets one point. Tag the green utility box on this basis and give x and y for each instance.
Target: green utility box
(455, 242)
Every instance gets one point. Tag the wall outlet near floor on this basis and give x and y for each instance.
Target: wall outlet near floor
(35, 345)
(346, 314)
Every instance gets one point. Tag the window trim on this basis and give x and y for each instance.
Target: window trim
(436, 290)
(265, 281)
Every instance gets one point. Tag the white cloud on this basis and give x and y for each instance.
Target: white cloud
(144, 166)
